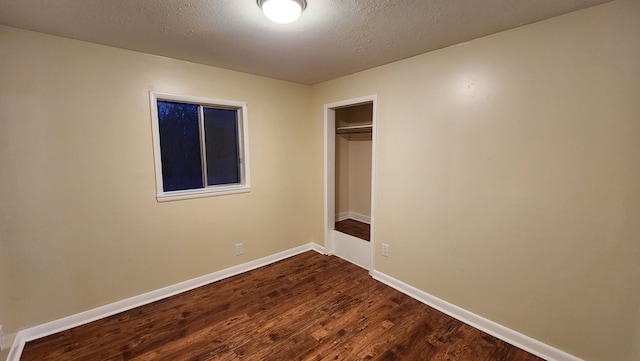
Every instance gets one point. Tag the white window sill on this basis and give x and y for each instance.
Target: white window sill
(201, 193)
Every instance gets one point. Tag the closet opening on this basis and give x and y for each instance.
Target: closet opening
(349, 179)
(354, 125)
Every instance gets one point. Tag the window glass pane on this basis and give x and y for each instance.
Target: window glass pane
(221, 140)
(179, 146)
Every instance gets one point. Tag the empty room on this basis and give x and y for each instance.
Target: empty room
(335, 180)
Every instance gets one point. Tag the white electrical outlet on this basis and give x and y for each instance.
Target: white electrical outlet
(385, 250)
(238, 249)
(1, 339)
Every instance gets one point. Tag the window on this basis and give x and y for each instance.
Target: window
(200, 146)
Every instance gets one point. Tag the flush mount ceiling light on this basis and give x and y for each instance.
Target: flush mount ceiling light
(282, 11)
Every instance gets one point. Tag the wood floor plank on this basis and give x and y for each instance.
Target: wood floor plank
(354, 228)
(308, 307)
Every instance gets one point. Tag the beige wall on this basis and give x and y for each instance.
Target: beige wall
(353, 176)
(360, 177)
(508, 176)
(78, 190)
(342, 165)
(7, 317)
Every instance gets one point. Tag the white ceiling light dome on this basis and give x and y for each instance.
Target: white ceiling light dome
(282, 11)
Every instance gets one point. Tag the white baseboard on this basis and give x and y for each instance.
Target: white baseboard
(506, 334)
(342, 216)
(33, 333)
(360, 217)
(16, 347)
(353, 215)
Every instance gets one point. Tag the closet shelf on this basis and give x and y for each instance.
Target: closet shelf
(353, 129)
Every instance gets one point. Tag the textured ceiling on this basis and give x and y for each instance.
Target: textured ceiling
(331, 39)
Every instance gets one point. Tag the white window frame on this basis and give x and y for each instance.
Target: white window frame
(243, 147)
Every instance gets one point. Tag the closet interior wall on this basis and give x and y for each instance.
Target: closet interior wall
(353, 162)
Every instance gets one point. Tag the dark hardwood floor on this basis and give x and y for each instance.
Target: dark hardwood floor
(308, 307)
(354, 228)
